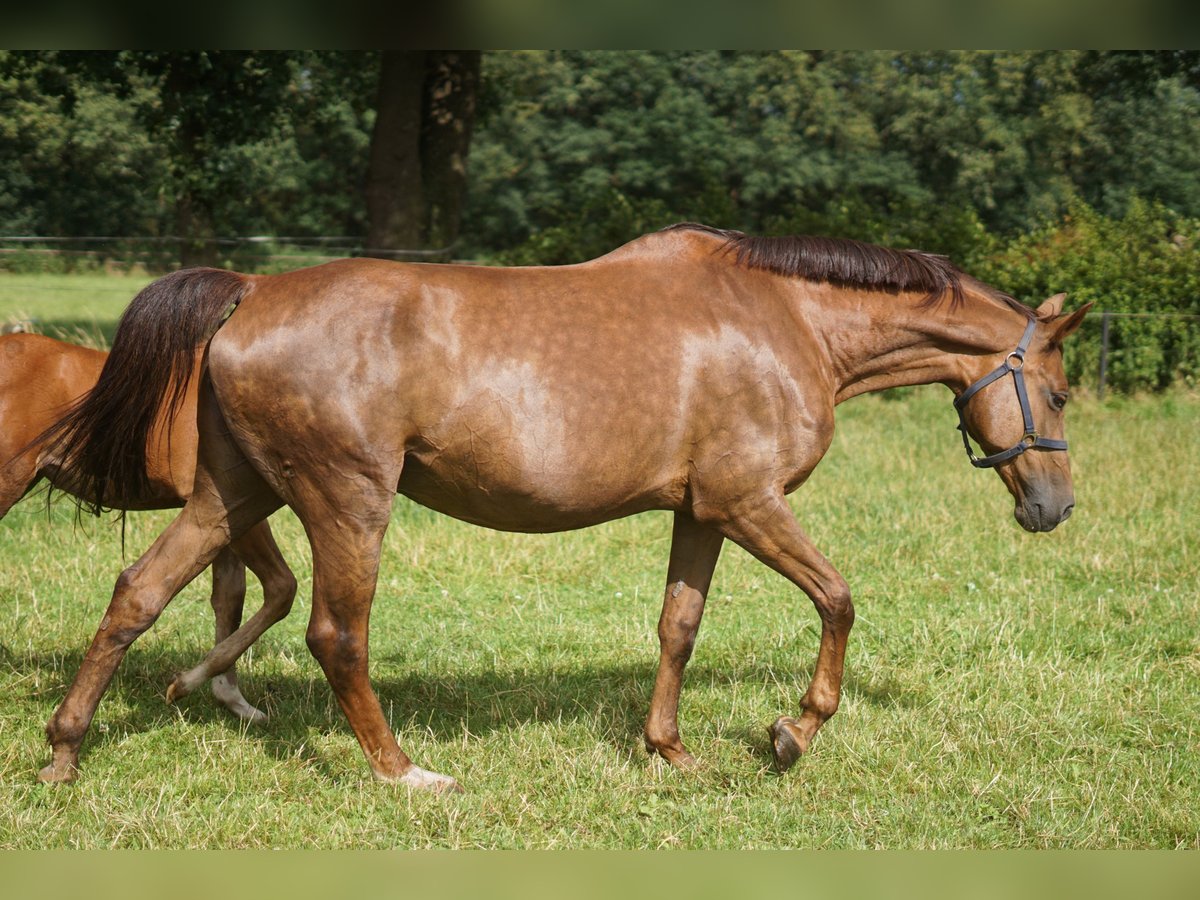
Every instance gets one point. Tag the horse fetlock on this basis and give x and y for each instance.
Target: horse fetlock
(669, 747)
(819, 705)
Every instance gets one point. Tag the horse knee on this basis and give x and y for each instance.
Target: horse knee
(321, 637)
(677, 636)
(333, 646)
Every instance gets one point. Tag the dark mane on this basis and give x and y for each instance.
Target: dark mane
(849, 263)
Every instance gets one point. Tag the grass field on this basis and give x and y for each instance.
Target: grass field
(1003, 689)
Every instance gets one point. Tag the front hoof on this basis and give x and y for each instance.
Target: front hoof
(787, 742)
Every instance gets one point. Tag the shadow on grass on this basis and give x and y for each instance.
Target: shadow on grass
(615, 697)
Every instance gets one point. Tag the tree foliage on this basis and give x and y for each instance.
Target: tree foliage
(1038, 170)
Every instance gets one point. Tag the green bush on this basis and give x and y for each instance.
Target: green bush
(1145, 262)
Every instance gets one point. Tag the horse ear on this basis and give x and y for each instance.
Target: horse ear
(1067, 324)
(1052, 308)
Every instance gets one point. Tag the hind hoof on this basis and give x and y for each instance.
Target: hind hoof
(420, 779)
(230, 696)
(176, 690)
(58, 774)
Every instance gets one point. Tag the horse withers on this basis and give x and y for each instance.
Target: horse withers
(693, 370)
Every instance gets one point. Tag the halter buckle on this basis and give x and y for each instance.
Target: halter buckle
(1019, 357)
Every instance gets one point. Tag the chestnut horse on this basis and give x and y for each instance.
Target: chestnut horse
(40, 378)
(693, 370)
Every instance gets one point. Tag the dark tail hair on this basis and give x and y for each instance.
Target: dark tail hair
(103, 438)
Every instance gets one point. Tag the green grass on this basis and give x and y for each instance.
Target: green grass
(79, 308)
(1003, 689)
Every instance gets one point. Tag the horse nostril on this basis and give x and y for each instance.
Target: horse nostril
(1067, 513)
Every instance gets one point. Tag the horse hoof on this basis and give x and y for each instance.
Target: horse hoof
(243, 709)
(678, 759)
(787, 744)
(175, 691)
(420, 779)
(58, 774)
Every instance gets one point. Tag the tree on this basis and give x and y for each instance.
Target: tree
(209, 105)
(417, 171)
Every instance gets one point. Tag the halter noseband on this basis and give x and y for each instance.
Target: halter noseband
(1032, 438)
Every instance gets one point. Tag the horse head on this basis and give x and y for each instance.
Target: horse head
(1020, 425)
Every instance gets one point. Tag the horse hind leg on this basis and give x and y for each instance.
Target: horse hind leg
(228, 599)
(694, 552)
(346, 520)
(229, 497)
(143, 590)
(258, 551)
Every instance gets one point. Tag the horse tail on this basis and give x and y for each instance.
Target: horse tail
(104, 436)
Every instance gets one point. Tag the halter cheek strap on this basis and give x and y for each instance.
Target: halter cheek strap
(1013, 363)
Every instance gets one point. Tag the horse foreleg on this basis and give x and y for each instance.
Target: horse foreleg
(257, 549)
(770, 532)
(694, 552)
(17, 476)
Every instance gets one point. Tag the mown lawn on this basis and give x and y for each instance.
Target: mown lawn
(1003, 689)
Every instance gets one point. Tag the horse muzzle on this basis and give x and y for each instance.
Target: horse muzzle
(1042, 516)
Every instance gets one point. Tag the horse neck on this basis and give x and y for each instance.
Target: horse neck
(878, 341)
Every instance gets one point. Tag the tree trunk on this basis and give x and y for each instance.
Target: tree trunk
(193, 223)
(417, 173)
(451, 85)
(395, 201)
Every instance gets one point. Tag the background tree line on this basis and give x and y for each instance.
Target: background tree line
(1037, 170)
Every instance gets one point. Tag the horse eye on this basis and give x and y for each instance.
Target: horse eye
(1058, 400)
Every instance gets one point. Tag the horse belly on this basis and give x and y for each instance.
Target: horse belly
(515, 482)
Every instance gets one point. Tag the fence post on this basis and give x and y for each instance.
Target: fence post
(1104, 317)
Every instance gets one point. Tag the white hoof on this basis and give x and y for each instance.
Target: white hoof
(417, 778)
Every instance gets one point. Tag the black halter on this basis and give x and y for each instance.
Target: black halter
(1014, 363)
